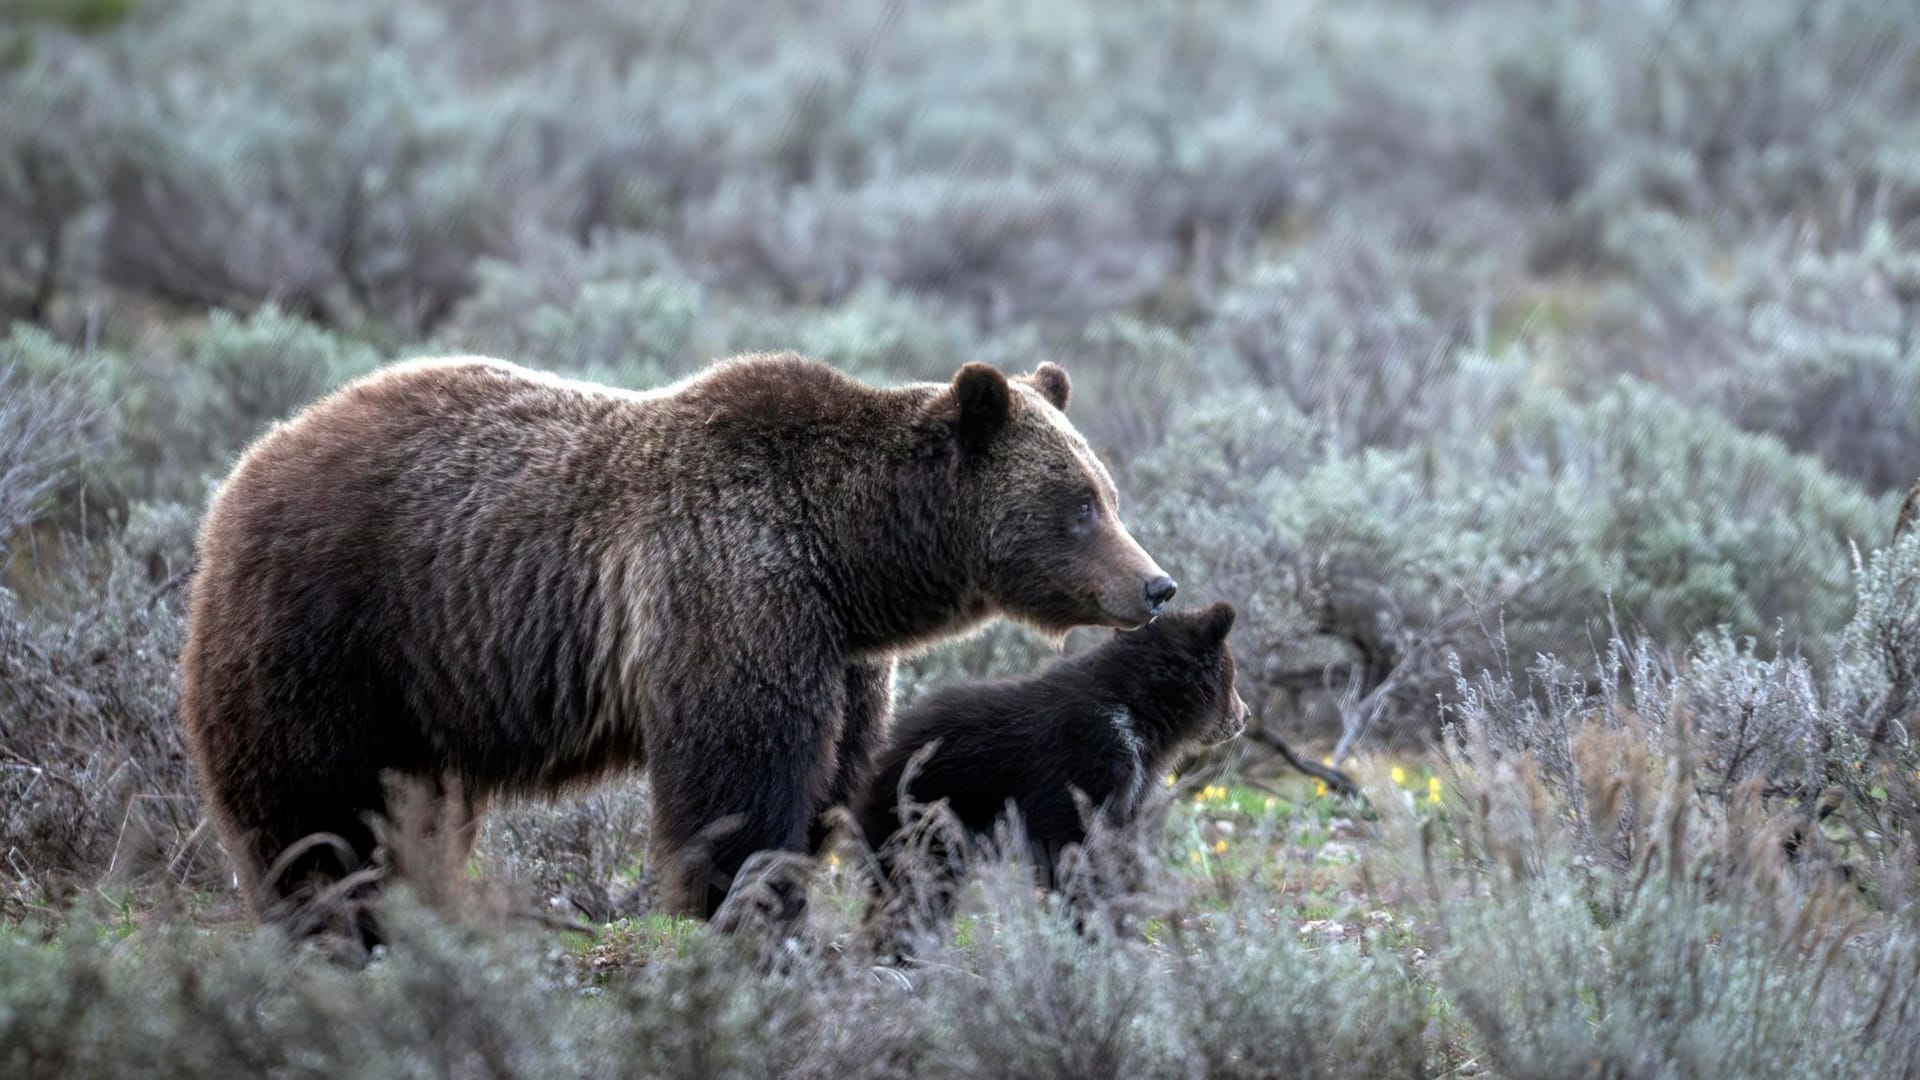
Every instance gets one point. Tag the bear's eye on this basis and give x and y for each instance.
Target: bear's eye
(1086, 511)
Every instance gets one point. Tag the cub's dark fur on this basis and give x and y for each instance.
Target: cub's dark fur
(1106, 724)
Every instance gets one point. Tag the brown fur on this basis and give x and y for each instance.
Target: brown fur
(465, 571)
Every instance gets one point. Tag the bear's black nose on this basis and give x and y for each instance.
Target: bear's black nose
(1158, 591)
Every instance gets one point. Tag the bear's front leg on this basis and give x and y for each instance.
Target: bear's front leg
(744, 766)
(863, 721)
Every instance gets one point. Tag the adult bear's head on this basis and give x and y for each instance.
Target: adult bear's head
(1051, 549)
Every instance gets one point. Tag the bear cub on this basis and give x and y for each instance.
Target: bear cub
(1105, 724)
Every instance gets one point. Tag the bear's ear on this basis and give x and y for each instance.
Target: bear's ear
(1052, 382)
(1219, 621)
(984, 402)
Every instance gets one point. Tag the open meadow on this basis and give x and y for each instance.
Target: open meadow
(1539, 379)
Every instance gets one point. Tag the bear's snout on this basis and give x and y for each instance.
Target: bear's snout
(1231, 723)
(1135, 590)
(1157, 591)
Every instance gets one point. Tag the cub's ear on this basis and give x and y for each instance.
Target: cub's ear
(1052, 382)
(984, 401)
(1219, 620)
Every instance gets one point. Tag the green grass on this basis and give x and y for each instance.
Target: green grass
(634, 942)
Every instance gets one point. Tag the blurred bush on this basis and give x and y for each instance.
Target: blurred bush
(94, 782)
(1505, 535)
(473, 992)
(47, 431)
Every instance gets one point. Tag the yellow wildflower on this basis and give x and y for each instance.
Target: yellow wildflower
(1319, 787)
(1194, 857)
(1271, 804)
(1433, 789)
(1399, 775)
(1170, 779)
(1219, 847)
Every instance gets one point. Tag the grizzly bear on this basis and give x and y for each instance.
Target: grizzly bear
(1100, 725)
(503, 582)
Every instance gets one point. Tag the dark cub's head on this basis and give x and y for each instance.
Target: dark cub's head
(1185, 657)
(1050, 546)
